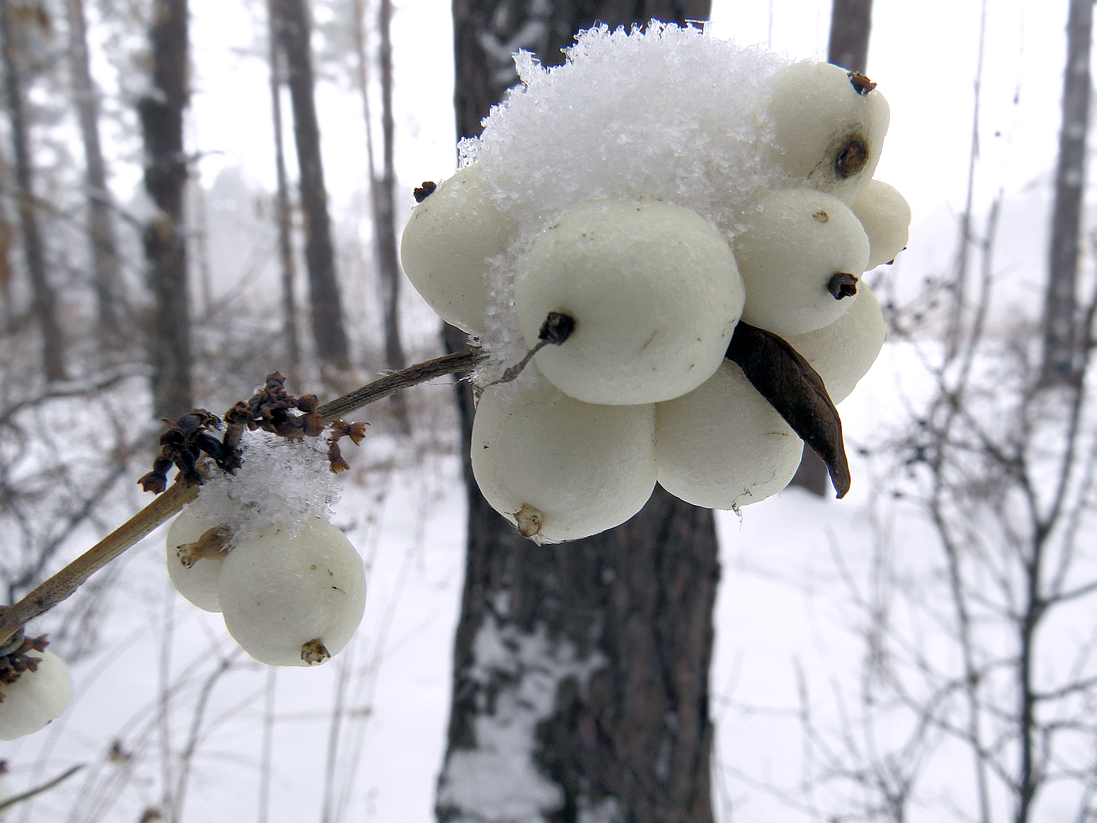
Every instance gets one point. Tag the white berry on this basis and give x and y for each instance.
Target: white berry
(829, 127)
(293, 599)
(557, 468)
(723, 445)
(885, 216)
(194, 569)
(446, 246)
(795, 242)
(843, 352)
(654, 291)
(36, 697)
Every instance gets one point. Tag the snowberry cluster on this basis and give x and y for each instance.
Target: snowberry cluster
(34, 687)
(256, 545)
(291, 595)
(710, 285)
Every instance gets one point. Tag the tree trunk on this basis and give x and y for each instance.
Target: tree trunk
(383, 190)
(45, 300)
(850, 23)
(105, 264)
(161, 114)
(282, 204)
(294, 28)
(1061, 335)
(383, 193)
(581, 670)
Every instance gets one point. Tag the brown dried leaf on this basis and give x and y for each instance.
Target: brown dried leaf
(796, 391)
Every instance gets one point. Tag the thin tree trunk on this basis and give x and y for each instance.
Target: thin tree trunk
(161, 114)
(44, 298)
(292, 20)
(105, 264)
(850, 24)
(282, 205)
(582, 667)
(1061, 337)
(383, 191)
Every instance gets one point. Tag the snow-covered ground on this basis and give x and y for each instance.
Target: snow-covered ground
(362, 737)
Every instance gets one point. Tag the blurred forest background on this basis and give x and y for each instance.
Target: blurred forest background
(192, 197)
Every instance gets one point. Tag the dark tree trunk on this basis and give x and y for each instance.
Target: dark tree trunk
(292, 19)
(596, 652)
(383, 190)
(1061, 336)
(105, 265)
(282, 205)
(161, 114)
(45, 300)
(850, 23)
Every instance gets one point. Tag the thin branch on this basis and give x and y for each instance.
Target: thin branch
(65, 583)
(49, 784)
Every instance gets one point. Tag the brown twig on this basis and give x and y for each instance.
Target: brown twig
(65, 583)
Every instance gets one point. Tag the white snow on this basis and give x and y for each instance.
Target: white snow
(663, 112)
(532, 666)
(282, 481)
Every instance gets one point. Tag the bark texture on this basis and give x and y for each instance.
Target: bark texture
(1062, 342)
(283, 212)
(106, 271)
(383, 201)
(44, 304)
(294, 28)
(850, 24)
(581, 667)
(161, 114)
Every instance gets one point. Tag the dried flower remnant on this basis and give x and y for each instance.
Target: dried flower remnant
(15, 658)
(842, 285)
(422, 192)
(339, 429)
(182, 445)
(271, 408)
(861, 83)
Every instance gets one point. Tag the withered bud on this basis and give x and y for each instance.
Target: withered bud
(314, 424)
(842, 285)
(314, 652)
(212, 543)
(308, 403)
(861, 83)
(557, 328)
(335, 458)
(423, 191)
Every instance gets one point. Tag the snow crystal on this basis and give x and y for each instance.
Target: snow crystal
(662, 112)
(499, 778)
(281, 481)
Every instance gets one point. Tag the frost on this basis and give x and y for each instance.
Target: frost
(281, 481)
(499, 779)
(663, 113)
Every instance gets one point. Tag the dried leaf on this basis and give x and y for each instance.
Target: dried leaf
(784, 378)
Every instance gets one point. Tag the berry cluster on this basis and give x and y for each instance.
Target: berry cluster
(702, 348)
(256, 545)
